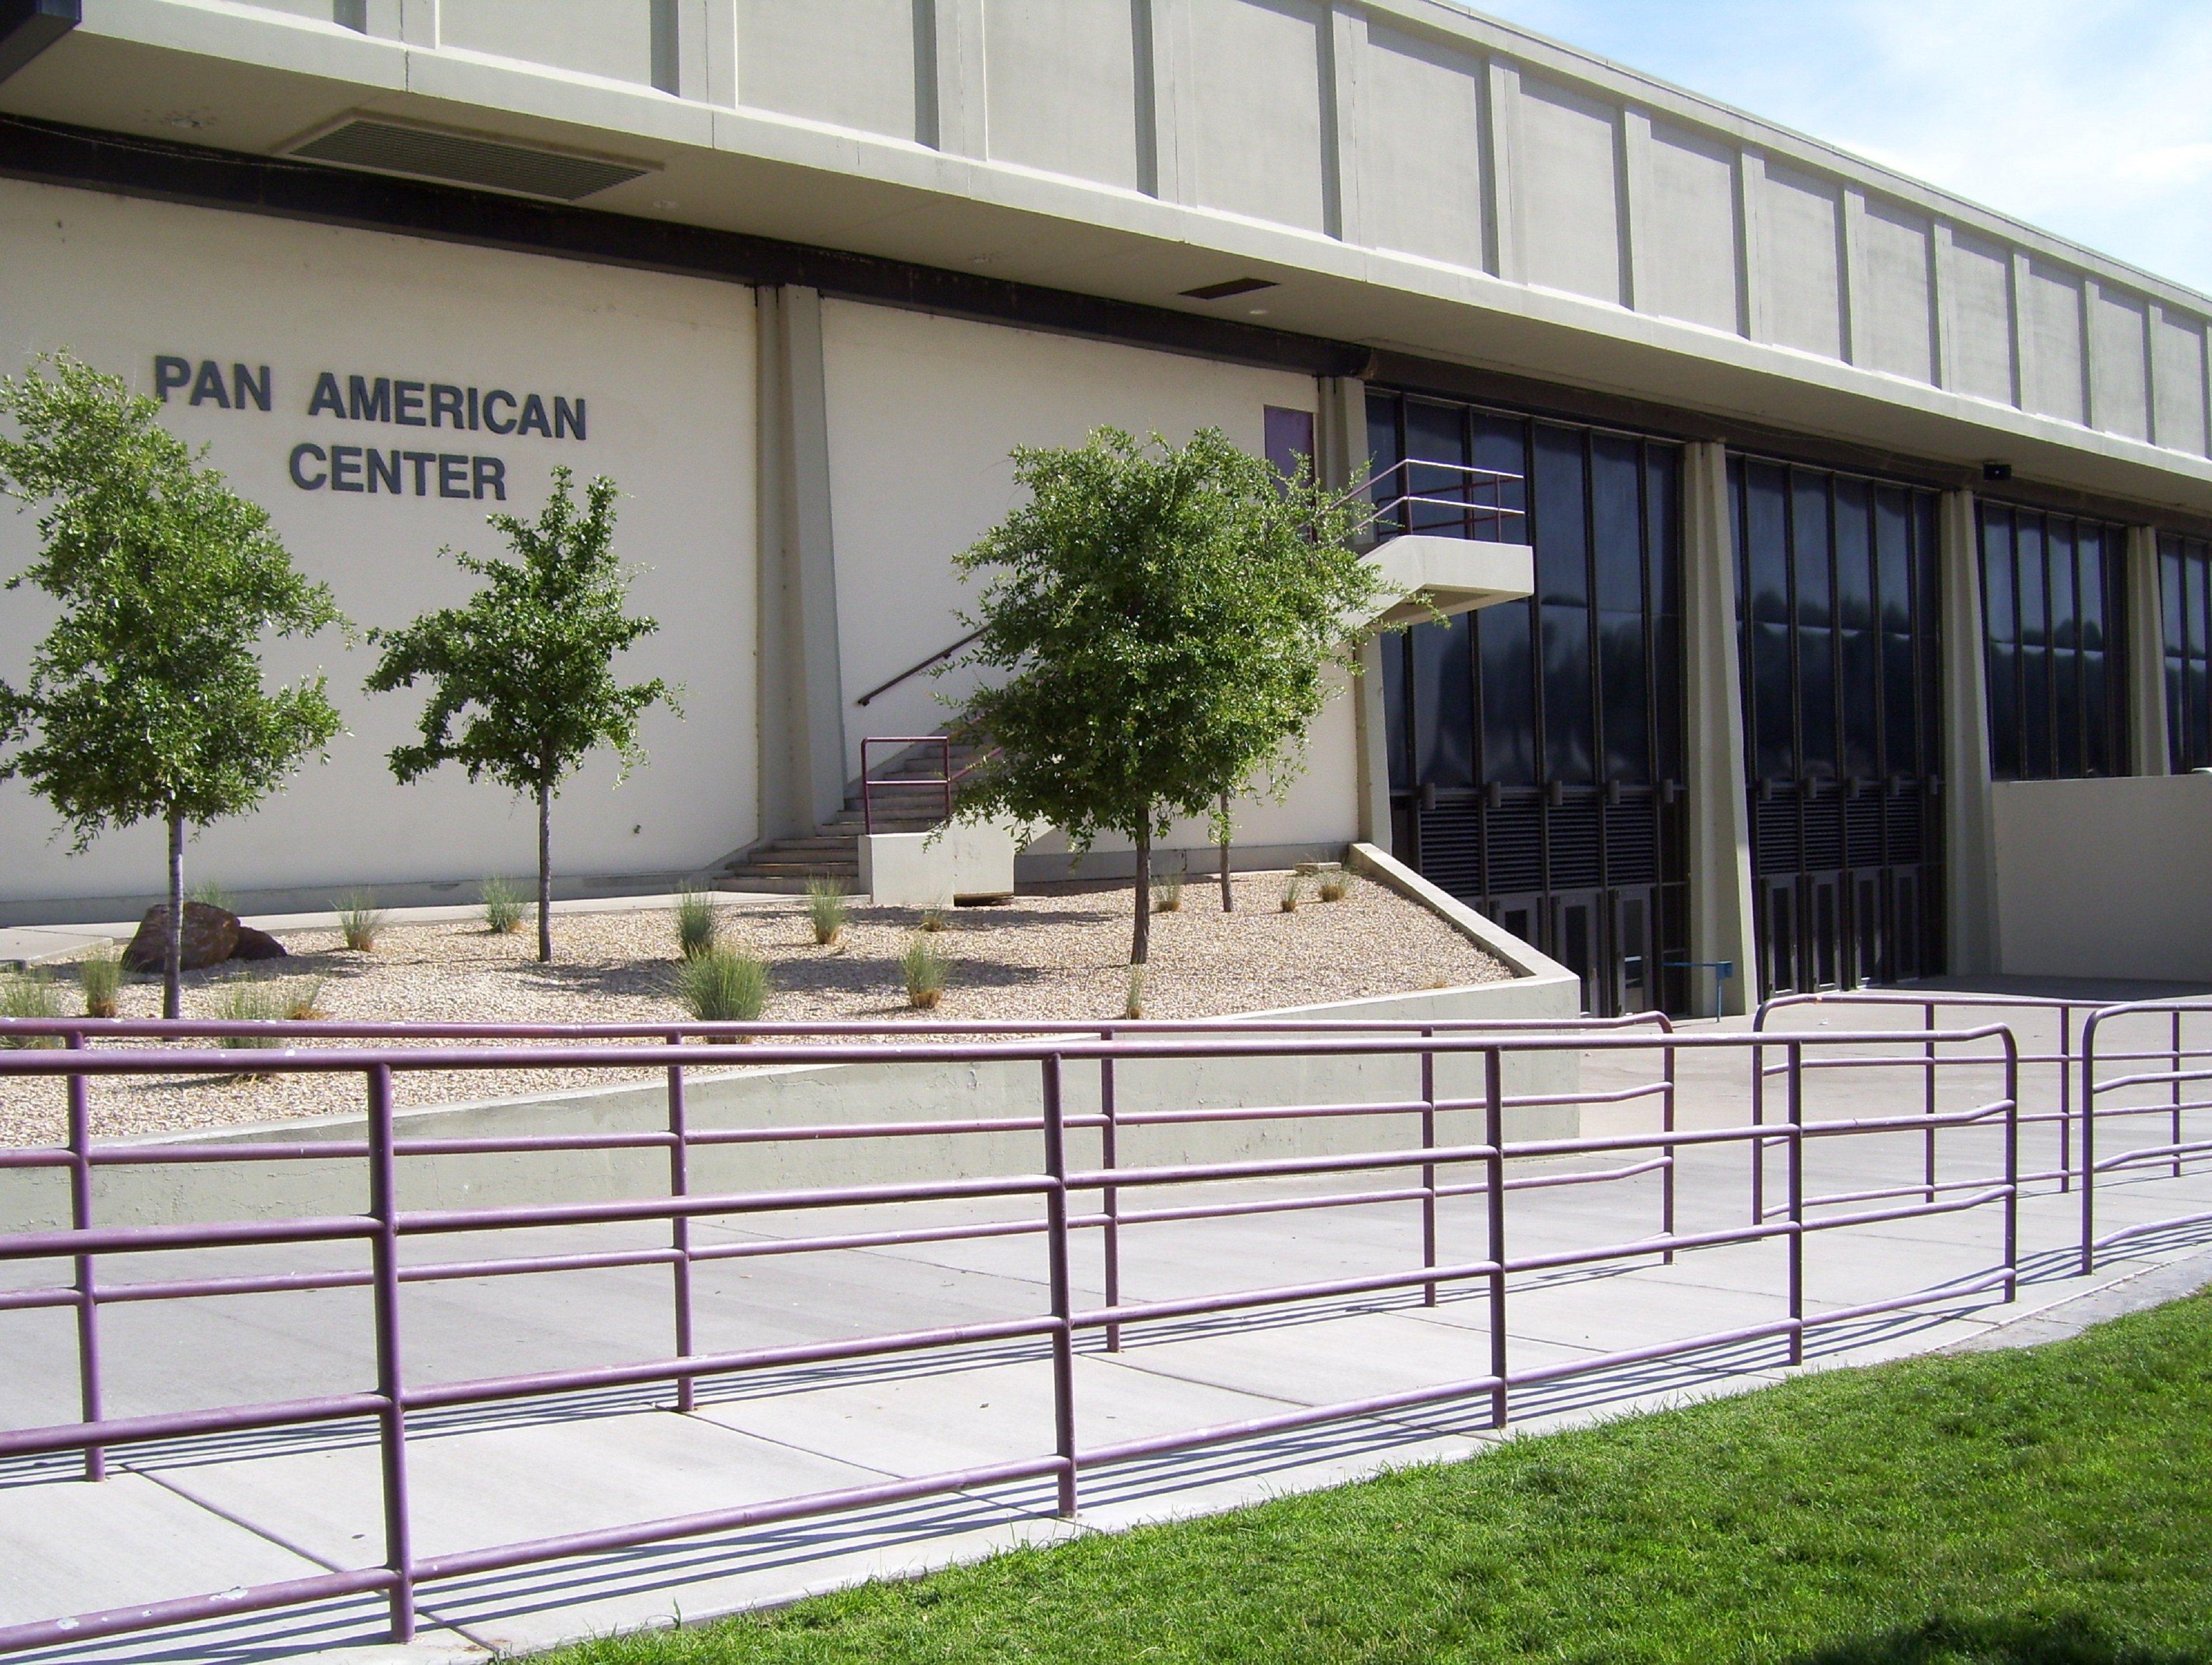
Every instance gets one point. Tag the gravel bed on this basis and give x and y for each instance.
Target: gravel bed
(1060, 953)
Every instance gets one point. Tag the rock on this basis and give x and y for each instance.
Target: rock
(210, 935)
(254, 944)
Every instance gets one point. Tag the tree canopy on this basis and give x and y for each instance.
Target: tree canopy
(523, 687)
(1161, 619)
(146, 701)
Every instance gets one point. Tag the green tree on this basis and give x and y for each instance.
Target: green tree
(145, 700)
(522, 676)
(1162, 619)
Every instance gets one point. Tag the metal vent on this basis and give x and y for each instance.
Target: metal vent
(425, 153)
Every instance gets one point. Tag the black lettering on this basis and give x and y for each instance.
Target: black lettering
(368, 403)
(566, 416)
(444, 401)
(345, 468)
(472, 409)
(326, 396)
(407, 395)
(207, 385)
(422, 459)
(491, 476)
(299, 454)
(490, 399)
(533, 416)
(379, 469)
(243, 386)
(170, 373)
(453, 477)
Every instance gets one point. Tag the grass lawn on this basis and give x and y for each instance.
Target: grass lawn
(2051, 1506)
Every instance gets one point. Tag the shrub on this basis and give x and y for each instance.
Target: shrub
(360, 921)
(932, 919)
(250, 1000)
(1167, 894)
(697, 922)
(925, 968)
(1132, 1004)
(825, 906)
(502, 908)
(29, 994)
(722, 985)
(303, 1001)
(1335, 885)
(101, 975)
(1293, 894)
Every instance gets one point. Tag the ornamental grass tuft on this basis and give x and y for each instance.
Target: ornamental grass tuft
(360, 921)
(1133, 1003)
(1167, 894)
(932, 919)
(826, 907)
(697, 922)
(723, 985)
(29, 994)
(1335, 885)
(250, 1000)
(926, 970)
(1293, 894)
(504, 908)
(100, 975)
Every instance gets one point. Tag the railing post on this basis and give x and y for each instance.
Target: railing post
(1055, 1237)
(679, 1225)
(1758, 1120)
(2065, 1099)
(1428, 1169)
(1667, 1151)
(1928, 1098)
(1493, 1135)
(2176, 1092)
(1796, 1101)
(384, 1253)
(945, 746)
(867, 791)
(2089, 1145)
(87, 1294)
(2012, 1166)
(1110, 1158)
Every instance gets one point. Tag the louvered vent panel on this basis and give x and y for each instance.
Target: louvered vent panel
(1451, 849)
(1774, 847)
(1863, 823)
(461, 159)
(1631, 843)
(1824, 834)
(1575, 829)
(1516, 849)
(1905, 842)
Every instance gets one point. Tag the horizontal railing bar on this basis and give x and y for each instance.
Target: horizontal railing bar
(2125, 1232)
(184, 1425)
(185, 1609)
(1283, 1422)
(137, 1239)
(1240, 1300)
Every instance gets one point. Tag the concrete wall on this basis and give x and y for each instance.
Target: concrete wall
(653, 358)
(2105, 879)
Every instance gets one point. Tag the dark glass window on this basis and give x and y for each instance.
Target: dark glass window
(2184, 567)
(2051, 606)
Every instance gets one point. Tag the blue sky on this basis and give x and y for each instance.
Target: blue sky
(2092, 119)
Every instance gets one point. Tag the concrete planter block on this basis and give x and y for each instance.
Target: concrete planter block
(957, 863)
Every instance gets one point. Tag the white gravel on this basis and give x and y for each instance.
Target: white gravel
(1060, 953)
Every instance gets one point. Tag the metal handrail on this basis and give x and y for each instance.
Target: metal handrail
(946, 777)
(915, 669)
(1472, 480)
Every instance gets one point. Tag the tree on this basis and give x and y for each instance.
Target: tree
(1162, 619)
(526, 669)
(146, 698)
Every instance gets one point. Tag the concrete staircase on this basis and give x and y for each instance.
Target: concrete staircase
(832, 850)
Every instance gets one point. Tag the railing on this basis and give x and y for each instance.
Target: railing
(1395, 498)
(944, 780)
(2163, 1083)
(918, 667)
(1431, 1166)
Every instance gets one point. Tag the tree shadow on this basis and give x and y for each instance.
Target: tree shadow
(2065, 1640)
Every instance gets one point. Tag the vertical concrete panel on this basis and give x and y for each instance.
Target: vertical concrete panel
(2052, 380)
(1421, 180)
(1969, 845)
(853, 63)
(1977, 285)
(588, 35)
(1720, 813)
(1895, 312)
(1690, 232)
(1251, 103)
(1800, 262)
(2119, 354)
(1570, 192)
(2145, 628)
(1063, 90)
(2177, 369)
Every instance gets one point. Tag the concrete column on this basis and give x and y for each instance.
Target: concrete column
(801, 692)
(1720, 808)
(2146, 641)
(1341, 437)
(1969, 832)
(955, 119)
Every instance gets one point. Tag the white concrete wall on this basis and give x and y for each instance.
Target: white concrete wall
(2105, 879)
(923, 413)
(664, 366)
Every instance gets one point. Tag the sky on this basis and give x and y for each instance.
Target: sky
(2091, 119)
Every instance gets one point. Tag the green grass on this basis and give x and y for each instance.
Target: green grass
(504, 908)
(2045, 1507)
(697, 923)
(722, 985)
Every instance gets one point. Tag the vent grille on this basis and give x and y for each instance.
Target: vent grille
(1632, 842)
(1451, 849)
(1576, 837)
(425, 153)
(1516, 846)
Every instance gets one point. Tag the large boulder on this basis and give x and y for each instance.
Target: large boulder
(254, 944)
(211, 937)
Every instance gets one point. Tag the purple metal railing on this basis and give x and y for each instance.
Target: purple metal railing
(945, 780)
(385, 1225)
(2176, 1092)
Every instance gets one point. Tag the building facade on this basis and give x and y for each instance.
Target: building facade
(1860, 515)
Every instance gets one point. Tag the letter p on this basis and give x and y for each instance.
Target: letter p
(170, 373)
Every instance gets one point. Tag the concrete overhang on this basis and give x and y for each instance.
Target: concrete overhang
(1429, 575)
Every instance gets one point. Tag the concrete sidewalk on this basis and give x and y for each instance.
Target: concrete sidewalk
(209, 1515)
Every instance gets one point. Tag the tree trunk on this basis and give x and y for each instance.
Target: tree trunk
(1140, 943)
(1228, 898)
(546, 872)
(173, 950)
